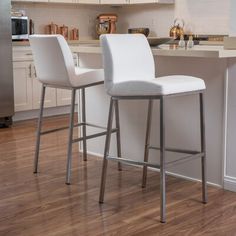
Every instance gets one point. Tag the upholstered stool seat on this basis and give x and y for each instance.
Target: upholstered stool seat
(165, 85)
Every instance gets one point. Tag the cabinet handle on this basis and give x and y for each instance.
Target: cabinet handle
(30, 71)
(35, 74)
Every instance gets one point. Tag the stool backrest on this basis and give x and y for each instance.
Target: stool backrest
(53, 59)
(126, 57)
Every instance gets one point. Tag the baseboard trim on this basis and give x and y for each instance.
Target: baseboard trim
(230, 183)
(170, 173)
(32, 114)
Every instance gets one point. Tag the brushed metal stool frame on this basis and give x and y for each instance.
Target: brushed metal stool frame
(83, 124)
(163, 149)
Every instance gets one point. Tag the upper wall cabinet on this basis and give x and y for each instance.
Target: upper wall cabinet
(150, 1)
(108, 2)
(111, 2)
(89, 1)
(29, 0)
(63, 1)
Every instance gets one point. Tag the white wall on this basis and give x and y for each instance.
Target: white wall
(72, 15)
(200, 16)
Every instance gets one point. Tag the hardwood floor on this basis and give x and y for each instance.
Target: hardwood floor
(43, 205)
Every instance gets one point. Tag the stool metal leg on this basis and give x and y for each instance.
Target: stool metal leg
(116, 103)
(36, 158)
(84, 125)
(147, 141)
(203, 147)
(71, 126)
(162, 162)
(106, 151)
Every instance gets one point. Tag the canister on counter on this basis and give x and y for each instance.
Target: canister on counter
(74, 34)
(64, 31)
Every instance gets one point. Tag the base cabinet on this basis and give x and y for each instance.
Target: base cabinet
(23, 95)
(27, 89)
(50, 95)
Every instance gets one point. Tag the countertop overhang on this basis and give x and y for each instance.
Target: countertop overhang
(91, 47)
(169, 50)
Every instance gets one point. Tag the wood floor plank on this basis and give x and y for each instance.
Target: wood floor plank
(41, 204)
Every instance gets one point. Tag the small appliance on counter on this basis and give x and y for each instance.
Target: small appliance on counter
(20, 27)
(177, 29)
(106, 23)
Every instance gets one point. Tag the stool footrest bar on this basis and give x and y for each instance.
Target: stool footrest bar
(96, 126)
(175, 150)
(75, 125)
(157, 166)
(59, 129)
(140, 163)
(184, 159)
(93, 136)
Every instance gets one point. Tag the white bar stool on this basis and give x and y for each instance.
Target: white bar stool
(55, 68)
(130, 74)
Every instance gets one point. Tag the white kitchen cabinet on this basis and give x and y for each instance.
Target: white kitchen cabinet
(22, 86)
(63, 1)
(151, 1)
(111, 2)
(142, 1)
(88, 1)
(27, 89)
(50, 95)
(29, 0)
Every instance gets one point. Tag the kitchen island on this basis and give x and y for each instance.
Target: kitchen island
(218, 69)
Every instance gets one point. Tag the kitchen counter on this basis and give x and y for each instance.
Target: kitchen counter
(212, 63)
(218, 69)
(169, 50)
(92, 46)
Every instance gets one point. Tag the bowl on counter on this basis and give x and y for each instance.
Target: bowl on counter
(144, 31)
(154, 41)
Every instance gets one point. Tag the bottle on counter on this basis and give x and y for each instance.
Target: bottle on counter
(190, 43)
(181, 41)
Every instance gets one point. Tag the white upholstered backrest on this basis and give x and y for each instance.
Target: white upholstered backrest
(53, 59)
(126, 57)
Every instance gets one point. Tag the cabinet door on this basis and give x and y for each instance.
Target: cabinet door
(89, 1)
(29, 0)
(151, 1)
(50, 95)
(142, 1)
(114, 2)
(22, 86)
(63, 1)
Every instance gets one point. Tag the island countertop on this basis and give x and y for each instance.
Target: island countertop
(208, 51)
(203, 51)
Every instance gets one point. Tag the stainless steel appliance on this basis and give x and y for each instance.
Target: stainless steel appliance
(6, 71)
(20, 27)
